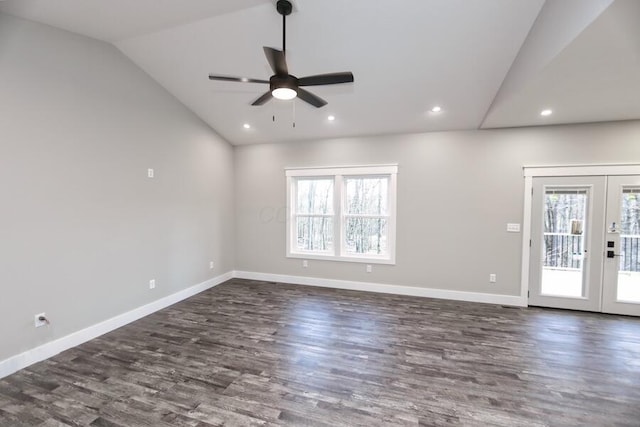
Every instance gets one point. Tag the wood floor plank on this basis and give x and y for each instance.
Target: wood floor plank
(271, 354)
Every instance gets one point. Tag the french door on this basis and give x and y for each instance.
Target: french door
(585, 243)
(622, 247)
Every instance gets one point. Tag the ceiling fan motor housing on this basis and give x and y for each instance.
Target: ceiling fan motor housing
(278, 82)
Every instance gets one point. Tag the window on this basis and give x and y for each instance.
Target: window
(343, 214)
(314, 215)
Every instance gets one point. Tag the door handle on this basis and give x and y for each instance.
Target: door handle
(612, 254)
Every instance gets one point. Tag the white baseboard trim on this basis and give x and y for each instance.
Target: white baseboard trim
(29, 357)
(387, 289)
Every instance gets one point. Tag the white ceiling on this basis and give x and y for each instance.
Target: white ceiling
(489, 63)
(113, 20)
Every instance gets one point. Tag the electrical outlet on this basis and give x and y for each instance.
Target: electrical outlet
(150, 173)
(305, 263)
(152, 284)
(492, 278)
(369, 268)
(211, 265)
(40, 319)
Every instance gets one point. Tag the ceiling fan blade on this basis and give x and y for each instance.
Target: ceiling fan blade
(312, 99)
(236, 79)
(263, 99)
(326, 79)
(277, 61)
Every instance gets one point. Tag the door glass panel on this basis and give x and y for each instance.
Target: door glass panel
(629, 269)
(563, 242)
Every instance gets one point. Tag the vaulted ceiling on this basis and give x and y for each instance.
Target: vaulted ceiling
(487, 64)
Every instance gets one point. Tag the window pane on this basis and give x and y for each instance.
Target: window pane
(366, 236)
(562, 209)
(314, 196)
(367, 196)
(564, 222)
(629, 270)
(314, 234)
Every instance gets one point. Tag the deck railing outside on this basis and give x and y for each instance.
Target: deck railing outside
(565, 251)
(630, 247)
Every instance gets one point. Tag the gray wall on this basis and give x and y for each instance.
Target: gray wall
(82, 229)
(456, 193)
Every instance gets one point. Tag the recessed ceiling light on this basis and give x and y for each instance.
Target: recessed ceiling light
(436, 109)
(246, 126)
(331, 118)
(546, 112)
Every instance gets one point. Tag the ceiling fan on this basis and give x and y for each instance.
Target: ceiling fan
(283, 85)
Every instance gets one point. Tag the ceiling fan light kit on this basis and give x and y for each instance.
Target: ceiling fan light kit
(283, 85)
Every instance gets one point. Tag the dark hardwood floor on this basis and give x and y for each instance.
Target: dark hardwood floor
(257, 353)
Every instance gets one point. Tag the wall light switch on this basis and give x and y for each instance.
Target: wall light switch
(513, 228)
(150, 173)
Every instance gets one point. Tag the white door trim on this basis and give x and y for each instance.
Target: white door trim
(526, 238)
(582, 170)
(563, 170)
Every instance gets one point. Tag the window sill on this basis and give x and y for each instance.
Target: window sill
(353, 259)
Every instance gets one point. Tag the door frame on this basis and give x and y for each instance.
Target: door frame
(530, 172)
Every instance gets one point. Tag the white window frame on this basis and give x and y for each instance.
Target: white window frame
(338, 174)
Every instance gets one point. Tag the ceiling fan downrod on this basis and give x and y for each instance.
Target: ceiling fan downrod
(284, 8)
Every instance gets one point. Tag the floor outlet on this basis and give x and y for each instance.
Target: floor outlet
(492, 278)
(40, 319)
(152, 284)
